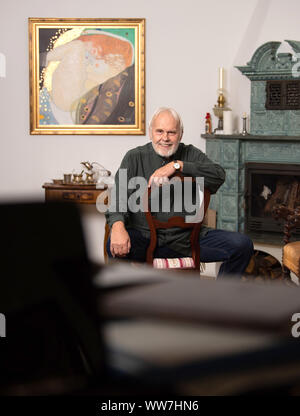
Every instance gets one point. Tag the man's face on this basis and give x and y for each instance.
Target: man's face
(165, 134)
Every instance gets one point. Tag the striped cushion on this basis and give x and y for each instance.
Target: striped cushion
(177, 263)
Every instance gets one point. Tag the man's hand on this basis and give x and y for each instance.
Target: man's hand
(119, 240)
(162, 174)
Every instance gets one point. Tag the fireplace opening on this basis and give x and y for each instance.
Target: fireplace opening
(267, 185)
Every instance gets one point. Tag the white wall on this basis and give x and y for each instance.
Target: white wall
(186, 42)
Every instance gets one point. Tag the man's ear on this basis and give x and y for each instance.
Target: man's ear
(181, 134)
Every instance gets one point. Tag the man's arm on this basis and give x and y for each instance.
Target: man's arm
(116, 218)
(118, 209)
(119, 240)
(197, 164)
(159, 176)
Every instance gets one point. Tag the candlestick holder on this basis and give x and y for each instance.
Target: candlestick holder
(219, 109)
(244, 131)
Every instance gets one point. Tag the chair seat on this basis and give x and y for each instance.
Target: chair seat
(291, 257)
(176, 263)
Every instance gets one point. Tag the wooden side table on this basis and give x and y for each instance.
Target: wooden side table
(81, 194)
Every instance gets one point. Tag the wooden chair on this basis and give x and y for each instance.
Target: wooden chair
(291, 250)
(181, 263)
(184, 263)
(106, 235)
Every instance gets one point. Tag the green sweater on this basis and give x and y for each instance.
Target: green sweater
(142, 162)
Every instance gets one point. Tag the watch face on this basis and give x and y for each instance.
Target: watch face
(176, 165)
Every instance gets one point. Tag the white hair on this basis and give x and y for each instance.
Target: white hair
(174, 114)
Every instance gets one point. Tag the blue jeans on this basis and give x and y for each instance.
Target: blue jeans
(232, 248)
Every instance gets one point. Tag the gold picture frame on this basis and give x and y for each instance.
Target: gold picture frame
(87, 76)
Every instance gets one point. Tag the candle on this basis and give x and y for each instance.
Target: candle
(221, 78)
(244, 115)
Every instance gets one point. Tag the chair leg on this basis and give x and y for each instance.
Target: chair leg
(106, 235)
(286, 277)
(286, 274)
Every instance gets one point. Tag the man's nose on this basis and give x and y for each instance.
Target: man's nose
(165, 136)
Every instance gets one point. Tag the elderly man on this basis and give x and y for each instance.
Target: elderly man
(156, 161)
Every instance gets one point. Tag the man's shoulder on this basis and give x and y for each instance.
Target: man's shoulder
(139, 150)
(189, 148)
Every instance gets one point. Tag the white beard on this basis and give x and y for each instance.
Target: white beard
(169, 152)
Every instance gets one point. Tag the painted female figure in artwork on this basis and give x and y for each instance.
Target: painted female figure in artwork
(87, 77)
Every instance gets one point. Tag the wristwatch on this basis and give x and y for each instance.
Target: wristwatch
(176, 165)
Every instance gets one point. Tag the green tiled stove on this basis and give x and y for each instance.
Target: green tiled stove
(274, 129)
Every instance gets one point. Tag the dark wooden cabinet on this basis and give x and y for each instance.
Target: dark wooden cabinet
(82, 194)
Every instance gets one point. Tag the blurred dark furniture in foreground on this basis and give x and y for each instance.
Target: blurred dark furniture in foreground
(69, 332)
(46, 295)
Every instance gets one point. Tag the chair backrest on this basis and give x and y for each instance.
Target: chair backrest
(106, 236)
(47, 294)
(175, 221)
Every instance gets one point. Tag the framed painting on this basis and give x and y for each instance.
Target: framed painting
(87, 76)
